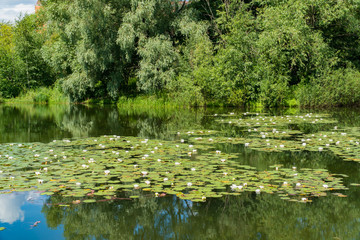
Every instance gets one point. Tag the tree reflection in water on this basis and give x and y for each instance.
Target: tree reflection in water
(246, 217)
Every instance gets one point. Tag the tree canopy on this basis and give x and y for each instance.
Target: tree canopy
(231, 52)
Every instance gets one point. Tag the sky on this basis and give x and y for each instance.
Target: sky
(11, 9)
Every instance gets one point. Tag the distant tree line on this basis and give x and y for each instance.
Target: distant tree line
(228, 52)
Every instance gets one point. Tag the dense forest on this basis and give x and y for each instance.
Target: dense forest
(198, 52)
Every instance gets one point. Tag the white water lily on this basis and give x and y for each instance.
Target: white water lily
(222, 160)
(233, 187)
(40, 181)
(189, 184)
(257, 191)
(193, 169)
(147, 182)
(144, 173)
(325, 186)
(107, 172)
(37, 173)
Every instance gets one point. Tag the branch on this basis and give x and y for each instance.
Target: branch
(182, 6)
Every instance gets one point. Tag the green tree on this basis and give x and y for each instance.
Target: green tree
(82, 47)
(28, 38)
(9, 63)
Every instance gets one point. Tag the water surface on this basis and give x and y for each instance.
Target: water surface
(248, 216)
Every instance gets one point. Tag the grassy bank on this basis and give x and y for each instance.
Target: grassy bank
(149, 102)
(40, 96)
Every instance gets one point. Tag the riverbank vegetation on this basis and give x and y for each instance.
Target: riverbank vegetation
(190, 53)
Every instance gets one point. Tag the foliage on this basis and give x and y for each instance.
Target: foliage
(197, 53)
(9, 63)
(40, 95)
(340, 87)
(28, 39)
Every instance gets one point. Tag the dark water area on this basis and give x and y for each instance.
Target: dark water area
(248, 216)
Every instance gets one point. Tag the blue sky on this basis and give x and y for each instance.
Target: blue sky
(11, 9)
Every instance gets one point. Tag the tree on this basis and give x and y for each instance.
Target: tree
(28, 38)
(9, 63)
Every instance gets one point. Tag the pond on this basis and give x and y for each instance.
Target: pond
(80, 172)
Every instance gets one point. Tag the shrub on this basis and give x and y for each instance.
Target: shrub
(338, 88)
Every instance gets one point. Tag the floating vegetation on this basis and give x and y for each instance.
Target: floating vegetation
(102, 167)
(282, 133)
(2, 228)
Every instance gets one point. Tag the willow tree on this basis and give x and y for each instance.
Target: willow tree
(82, 47)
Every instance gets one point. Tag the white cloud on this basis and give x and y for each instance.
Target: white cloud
(10, 210)
(10, 13)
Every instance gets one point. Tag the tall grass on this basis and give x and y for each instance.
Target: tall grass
(338, 88)
(40, 95)
(149, 102)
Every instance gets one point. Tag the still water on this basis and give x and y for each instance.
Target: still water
(248, 216)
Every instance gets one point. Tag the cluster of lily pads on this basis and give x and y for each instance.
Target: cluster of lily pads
(192, 169)
(282, 133)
